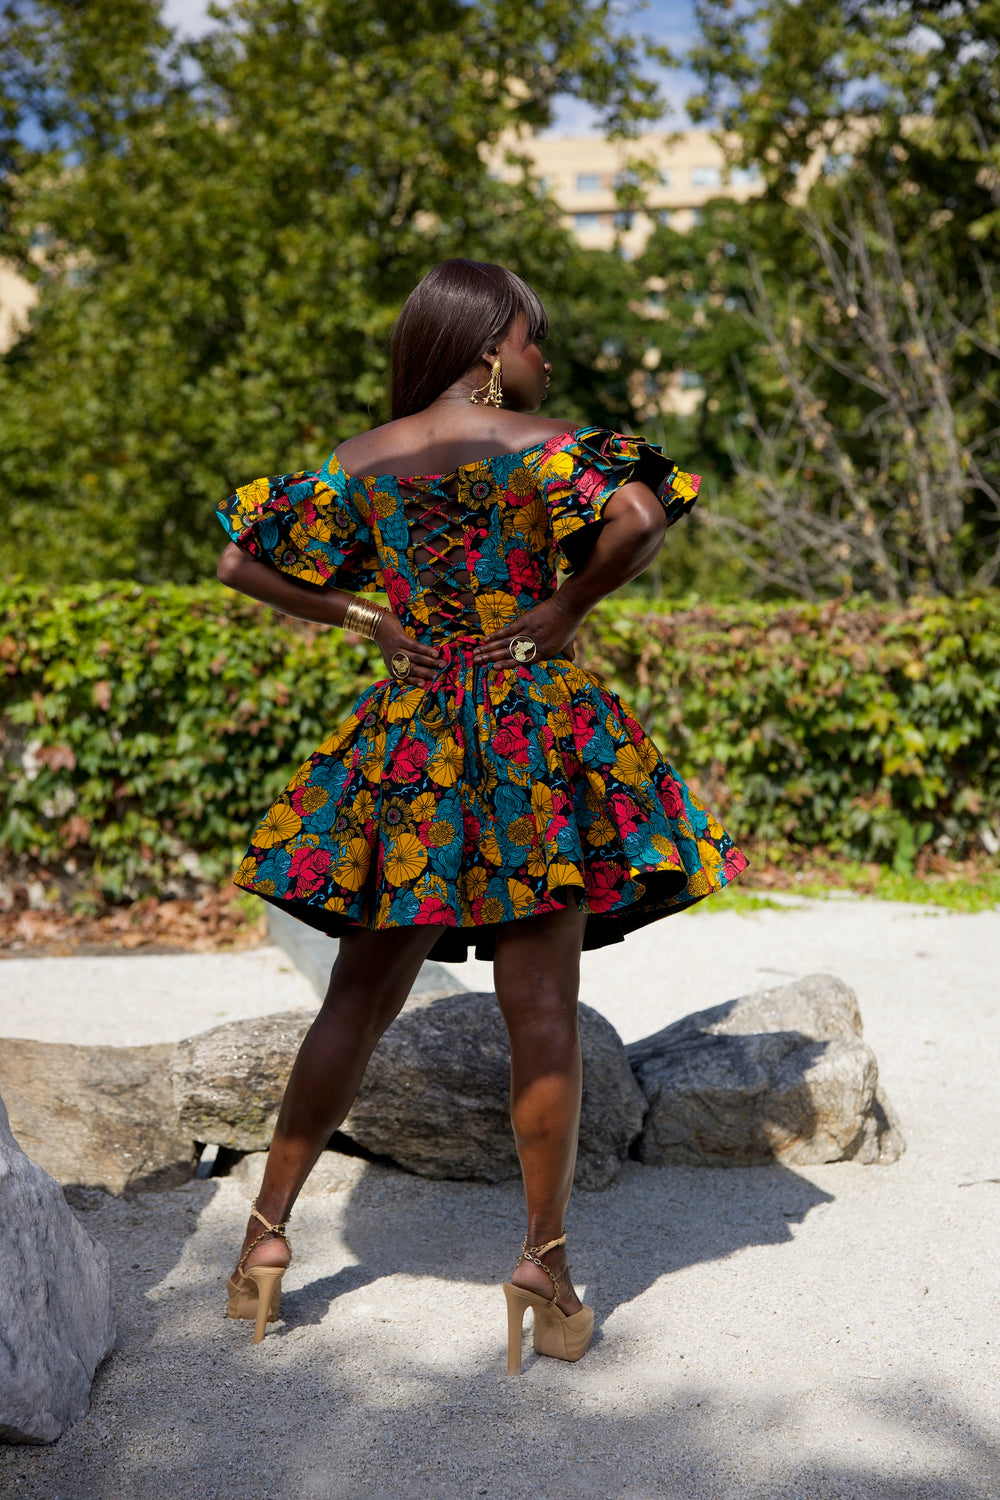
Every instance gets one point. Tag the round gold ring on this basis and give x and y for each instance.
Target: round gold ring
(522, 648)
(401, 664)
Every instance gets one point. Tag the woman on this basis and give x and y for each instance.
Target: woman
(489, 793)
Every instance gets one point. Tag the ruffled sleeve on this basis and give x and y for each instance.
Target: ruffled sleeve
(307, 525)
(581, 473)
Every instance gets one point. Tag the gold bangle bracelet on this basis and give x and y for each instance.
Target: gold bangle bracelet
(363, 618)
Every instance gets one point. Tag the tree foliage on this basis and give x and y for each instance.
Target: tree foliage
(230, 226)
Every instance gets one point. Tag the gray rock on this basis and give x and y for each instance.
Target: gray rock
(97, 1116)
(782, 1075)
(434, 1098)
(57, 1318)
(314, 954)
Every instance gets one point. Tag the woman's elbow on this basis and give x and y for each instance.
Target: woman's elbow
(228, 567)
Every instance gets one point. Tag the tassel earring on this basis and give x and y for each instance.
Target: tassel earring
(493, 391)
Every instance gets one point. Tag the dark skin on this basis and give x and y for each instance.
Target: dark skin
(536, 963)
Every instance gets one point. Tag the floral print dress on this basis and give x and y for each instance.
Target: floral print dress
(489, 794)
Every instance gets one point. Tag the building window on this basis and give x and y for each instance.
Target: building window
(624, 218)
(664, 215)
(587, 221)
(705, 176)
(666, 178)
(744, 176)
(588, 182)
(691, 381)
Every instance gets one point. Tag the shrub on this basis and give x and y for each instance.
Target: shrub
(143, 730)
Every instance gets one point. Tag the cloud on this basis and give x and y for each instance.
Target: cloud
(188, 16)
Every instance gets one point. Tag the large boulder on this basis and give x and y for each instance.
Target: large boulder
(435, 1097)
(57, 1317)
(97, 1116)
(779, 1075)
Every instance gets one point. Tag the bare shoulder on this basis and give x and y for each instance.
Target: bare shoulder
(354, 452)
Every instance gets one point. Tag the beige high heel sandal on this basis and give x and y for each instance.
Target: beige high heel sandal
(558, 1334)
(257, 1294)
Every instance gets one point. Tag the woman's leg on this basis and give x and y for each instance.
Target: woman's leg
(371, 979)
(536, 970)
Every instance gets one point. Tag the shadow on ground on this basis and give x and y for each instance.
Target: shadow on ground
(384, 1378)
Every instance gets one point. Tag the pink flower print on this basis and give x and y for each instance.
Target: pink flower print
(734, 862)
(672, 800)
(434, 912)
(625, 811)
(602, 886)
(590, 485)
(524, 574)
(583, 718)
(307, 869)
(397, 588)
(510, 740)
(408, 761)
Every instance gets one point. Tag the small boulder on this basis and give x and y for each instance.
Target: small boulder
(782, 1074)
(435, 1097)
(97, 1116)
(56, 1308)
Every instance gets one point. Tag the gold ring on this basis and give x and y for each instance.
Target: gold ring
(401, 664)
(522, 648)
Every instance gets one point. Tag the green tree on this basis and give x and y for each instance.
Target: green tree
(230, 226)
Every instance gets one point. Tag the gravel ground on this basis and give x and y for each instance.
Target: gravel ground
(818, 1334)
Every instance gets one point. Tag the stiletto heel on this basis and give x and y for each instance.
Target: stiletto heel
(557, 1334)
(257, 1293)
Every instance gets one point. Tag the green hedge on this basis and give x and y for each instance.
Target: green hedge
(143, 730)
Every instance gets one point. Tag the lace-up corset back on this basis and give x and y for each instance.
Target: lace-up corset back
(437, 555)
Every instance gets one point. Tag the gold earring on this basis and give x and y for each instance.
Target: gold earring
(494, 390)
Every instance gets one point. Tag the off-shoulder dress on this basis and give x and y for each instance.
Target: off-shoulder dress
(489, 795)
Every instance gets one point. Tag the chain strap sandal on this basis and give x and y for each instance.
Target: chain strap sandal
(558, 1334)
(257, 1293)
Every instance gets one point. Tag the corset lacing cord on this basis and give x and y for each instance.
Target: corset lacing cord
(445, 695)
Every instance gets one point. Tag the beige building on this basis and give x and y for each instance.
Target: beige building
(582, 174)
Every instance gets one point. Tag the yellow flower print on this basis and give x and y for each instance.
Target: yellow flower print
(495, 609)
(442, 834)
(423, 807)
(399, 710)
(364, 806)
(532, 521)
(628, 766)
(601, 831)
(522, 831)
(384, 907)
(352, 869)
(523, 480)
(253, 496)
(684, 829)
(282, 822)
(445, 765)
(711, 859)
(383, 503)
(665, 847)
(335, 903)
(246, 872)
(374, 762)
(313, 798)
(474, 883)
(536, 862)
(522, 897)
(264, 888)
(302, 775)
(541, 804)
(560, 466)
(683, 484)
(493, 909)
(477, 486)
(715, 828)
(489, 848)
(405, 860)
(563, 873)
(560, 723)
(698, 884)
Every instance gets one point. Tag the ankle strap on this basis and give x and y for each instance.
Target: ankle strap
(534, 1253)
(255, 1213)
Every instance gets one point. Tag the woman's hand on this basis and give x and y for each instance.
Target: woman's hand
(425, 661)
(550, 625)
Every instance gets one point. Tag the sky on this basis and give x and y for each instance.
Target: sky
(671, 22)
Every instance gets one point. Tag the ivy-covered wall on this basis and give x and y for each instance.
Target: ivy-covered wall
(142, 731)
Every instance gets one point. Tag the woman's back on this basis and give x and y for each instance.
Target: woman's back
(437, 442)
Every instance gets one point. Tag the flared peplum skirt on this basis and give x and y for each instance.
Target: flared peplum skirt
(487, 798)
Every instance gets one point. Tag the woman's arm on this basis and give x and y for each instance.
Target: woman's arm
(324, 606)
(630, 537)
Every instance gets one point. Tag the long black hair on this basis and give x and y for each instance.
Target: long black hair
(459, 311)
